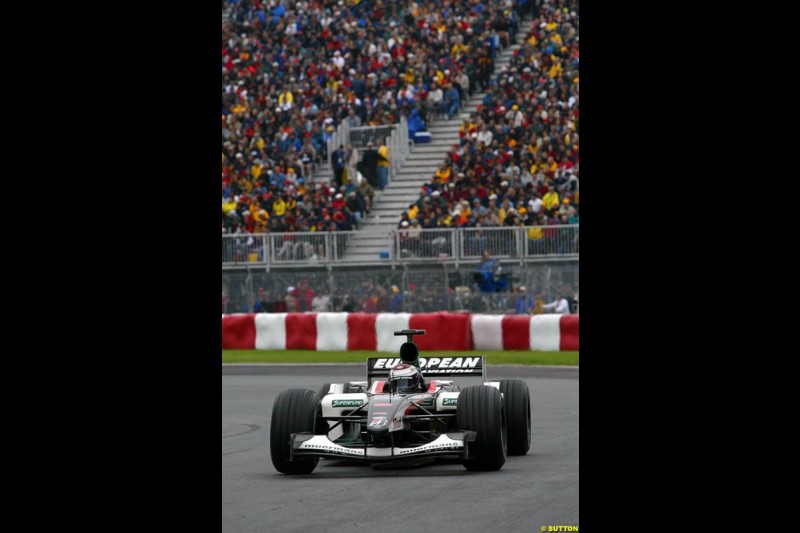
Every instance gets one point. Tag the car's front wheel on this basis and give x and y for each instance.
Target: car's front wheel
(294, 411)
(480, 409)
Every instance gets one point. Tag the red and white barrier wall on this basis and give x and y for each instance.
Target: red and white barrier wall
(363, 331)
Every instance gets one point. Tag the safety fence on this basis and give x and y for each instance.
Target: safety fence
(408, 245)
(410, 288)
(364, 331)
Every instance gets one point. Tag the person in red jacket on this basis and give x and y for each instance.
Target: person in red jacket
(304, 296)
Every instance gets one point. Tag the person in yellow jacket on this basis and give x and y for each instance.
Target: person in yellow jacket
(556, 70)
(412, 211)
(254, 208)
(538, 304)
(228, 206)
(443, 173)
(445, 221)
(535, 233)
(245, 185)
(256, 169)
(457, 49)
(260, 143)
(503, 211)
(333, 85)
(535, 242)
(463, 131)
(279, 207)
(261, 219)
(383, 166)
(550, 199)
(286, 100)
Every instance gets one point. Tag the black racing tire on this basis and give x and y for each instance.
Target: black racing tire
(517, 401)
(294, 411)
(480, 409)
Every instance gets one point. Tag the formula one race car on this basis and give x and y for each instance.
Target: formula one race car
(400, 416)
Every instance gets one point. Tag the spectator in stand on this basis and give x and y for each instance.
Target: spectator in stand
(291, 300)
(351, 159)
(347, 304)
(383, 165)
(452, 102)
(559, 306)
(369, 303)
(433, 103)
(262, 301)
(550, 200)
(321, 303)
(396, 301)
(353, 120)
(488, 263)
(525, 302)
(382, 304)
(339, 165)
(415, 230)
(304, 296)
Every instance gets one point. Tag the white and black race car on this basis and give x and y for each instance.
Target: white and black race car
(368, 421)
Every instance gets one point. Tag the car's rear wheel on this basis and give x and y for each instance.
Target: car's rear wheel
(517, 401)
(480, 409)
(294, 411)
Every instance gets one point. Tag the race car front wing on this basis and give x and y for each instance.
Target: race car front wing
(453, 443)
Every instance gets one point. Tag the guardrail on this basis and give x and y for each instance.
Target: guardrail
(529, 243)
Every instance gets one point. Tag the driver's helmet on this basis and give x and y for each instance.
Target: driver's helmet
(404, 379)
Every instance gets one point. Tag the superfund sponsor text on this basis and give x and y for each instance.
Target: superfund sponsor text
(346, 403)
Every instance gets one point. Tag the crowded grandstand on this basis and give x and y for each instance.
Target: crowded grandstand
(295, 71)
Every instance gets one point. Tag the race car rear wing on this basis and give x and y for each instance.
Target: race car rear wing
(430, 366)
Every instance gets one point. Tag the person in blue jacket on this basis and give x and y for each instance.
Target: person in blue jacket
(525, 302)
(415, 124)
(396, 301)
(452, 101)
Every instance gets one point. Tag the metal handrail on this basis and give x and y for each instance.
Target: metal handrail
(407, 245)
(397, 142)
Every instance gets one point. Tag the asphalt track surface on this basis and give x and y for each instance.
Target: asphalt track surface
(530, 491)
